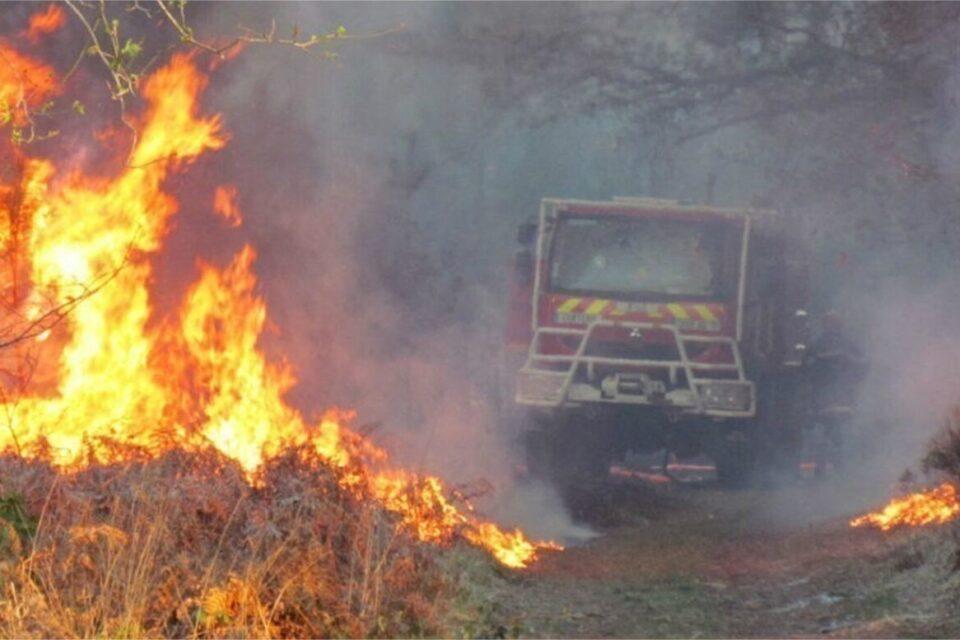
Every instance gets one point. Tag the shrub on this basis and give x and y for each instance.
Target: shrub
(943, 454)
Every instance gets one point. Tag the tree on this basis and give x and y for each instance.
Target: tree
(834, 112)
(700, 68)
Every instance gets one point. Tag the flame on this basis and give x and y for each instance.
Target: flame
(935, 506)
(225, 205)
(24, 83)
(229, 52)
(152, 382)
(45, 22)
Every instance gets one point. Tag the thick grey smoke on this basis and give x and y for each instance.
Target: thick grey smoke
(383, 199)
(383, 190)
(916, 371)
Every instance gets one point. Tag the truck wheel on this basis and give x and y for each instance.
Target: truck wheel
(538, 448)
(831, 450)
(568, 455)
(735, 457)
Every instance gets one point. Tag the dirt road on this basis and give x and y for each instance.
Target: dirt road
(694, 561)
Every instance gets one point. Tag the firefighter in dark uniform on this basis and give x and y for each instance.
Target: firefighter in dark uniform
(836, 367)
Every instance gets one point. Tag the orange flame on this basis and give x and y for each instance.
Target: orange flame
(225, 205)
(226, 54)
(936, 506)
(24, 82)
(196, 378)
(45, 22)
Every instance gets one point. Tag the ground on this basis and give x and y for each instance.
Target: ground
(696, 561)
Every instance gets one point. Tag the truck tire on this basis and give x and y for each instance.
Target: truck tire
(538, 449)
(735, 455)
(568, 453)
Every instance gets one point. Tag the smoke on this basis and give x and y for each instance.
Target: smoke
(383, 190)
(371, 187)
(902, 301)
(915, 375)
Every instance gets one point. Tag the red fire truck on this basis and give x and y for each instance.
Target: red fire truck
(643, 324)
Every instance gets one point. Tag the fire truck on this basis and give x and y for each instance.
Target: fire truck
(643, 325)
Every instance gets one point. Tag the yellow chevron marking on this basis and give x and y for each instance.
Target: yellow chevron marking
(618, 310)
(705, 313)
(569, 305)
(596, 307)
(678, 311)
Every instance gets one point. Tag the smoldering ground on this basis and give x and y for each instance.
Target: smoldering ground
(383, 189)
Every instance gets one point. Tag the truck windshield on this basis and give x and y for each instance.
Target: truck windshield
(637, 257)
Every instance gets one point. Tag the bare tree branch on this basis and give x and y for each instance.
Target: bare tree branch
(56, 314)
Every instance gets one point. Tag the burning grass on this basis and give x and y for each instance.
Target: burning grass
(183, 545)
(120, 381)
(938, 505)
(154, 479)
(935, 506)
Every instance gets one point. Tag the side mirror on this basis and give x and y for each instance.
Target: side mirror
(527, 233)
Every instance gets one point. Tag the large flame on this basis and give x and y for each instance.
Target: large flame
(128, 379)
(936, 506)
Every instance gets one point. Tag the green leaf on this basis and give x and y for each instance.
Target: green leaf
(78, 107)
(131, 50)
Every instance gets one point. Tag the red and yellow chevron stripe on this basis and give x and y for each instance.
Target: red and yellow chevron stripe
(711, 313)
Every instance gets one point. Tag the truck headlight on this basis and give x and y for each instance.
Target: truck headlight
(725, 396)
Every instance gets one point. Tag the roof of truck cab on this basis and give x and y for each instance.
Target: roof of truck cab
(636, 206)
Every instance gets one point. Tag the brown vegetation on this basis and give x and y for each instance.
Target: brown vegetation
(944, 456)
(185, 546)
(944, 452)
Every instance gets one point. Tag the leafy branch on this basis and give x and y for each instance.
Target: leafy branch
(178, 20)
(126, 59)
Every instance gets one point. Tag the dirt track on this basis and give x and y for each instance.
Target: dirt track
(698, 561)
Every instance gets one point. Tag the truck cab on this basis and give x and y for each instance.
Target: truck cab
(639, 323)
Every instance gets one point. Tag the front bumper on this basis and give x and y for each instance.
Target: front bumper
(716, 398)
(696, 388)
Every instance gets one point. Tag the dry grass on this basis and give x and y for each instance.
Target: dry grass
(944, 452)
(943, 456)
(183, 546)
